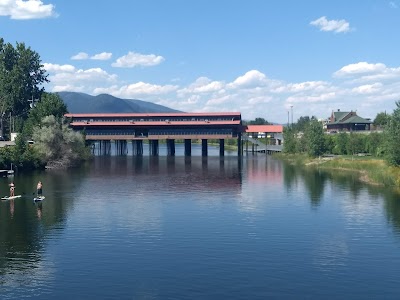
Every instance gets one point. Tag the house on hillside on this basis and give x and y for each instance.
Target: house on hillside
(347, 121)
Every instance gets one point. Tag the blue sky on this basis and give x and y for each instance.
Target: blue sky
(257, 57)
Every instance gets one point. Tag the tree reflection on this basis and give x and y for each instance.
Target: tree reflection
(314, 181)
(24, 225)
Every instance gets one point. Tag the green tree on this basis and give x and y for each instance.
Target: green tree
(303, 122)
(49, 104)
(290, 140)
(21, 77)
(355, 144)
(381, 119)
(341, 143)
(315, 138)
(258, 121)
(329, 143)
(392, 134)
(374, 143)
(58, 144)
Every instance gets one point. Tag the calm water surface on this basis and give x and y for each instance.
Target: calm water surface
(198, 228)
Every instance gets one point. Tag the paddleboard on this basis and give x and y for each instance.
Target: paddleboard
(10, 198)
(40, 198)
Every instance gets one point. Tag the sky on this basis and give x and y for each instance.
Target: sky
(276, 60)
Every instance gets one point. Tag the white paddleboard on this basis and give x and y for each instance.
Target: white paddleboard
(10, 198)
(40, 198)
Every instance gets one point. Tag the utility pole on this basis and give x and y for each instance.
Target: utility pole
(291, 109)
(288, 118)
(10, 125)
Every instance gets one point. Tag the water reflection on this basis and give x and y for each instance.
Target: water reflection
(146, 226)
(360, 202)
(24, 226)
(313, 180)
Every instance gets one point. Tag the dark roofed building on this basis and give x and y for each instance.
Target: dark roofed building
(347, 121)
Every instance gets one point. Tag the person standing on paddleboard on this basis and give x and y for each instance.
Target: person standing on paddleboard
(39, 189)
(12, 189)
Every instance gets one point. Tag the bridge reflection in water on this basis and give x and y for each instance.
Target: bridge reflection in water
(138, 129)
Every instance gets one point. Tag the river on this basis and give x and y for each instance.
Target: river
(198, 228)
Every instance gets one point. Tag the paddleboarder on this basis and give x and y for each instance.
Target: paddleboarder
(12, 189)
(39, 189)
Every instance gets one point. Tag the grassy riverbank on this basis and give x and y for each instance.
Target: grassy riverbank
(371, 170)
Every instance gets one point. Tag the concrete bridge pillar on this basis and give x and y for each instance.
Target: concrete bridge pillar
(239, 143)
(171, 147)
(105, 147)
(153, 147)
(137, 147)
(121, 147)
(204, 149)
(221, 147)
(188, 147)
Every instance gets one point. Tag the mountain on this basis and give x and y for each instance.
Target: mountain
(104, 103)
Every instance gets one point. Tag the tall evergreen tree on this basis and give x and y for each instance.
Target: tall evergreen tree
(21, 77)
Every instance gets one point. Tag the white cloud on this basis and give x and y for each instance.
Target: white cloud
(320, 86)
(102, 56)
(64, 77)
(89, 75)
(139, 89)
(67, 88)
(360, 68)
(250, 79)
(218, 101)
(251, 93)
(52, 68)
(368, 88)
(80, 56)
(331, 25)
(24, 10)
(307, 99)
(133, 59)
(202, 85)
(193, 99)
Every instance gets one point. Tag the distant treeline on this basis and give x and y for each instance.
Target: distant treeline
(312, 139)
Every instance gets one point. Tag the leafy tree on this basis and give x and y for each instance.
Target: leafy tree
(392, 133)
(49, 104)
(301, 142)
(289, 137)
(341, 143)
(315, 138)
(21, 77)
(58, 144)
(374, 143)
(303, 122)
(329, 143)
(381, 119)
(258, 121)
(355, 144)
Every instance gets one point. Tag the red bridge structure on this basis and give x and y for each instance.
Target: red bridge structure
(153, 127)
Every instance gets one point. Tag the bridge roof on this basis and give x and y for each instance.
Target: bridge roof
(264, 128)
(155, 123)
(154, 114)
